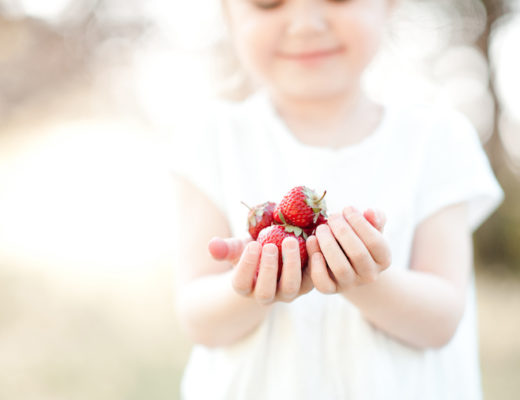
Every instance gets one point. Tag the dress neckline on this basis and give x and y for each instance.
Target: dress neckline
(283, 133)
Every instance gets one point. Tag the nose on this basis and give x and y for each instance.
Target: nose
(306, 17)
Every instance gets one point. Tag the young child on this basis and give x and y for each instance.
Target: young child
(383, 311)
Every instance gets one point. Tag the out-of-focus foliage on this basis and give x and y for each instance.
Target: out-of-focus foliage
(86, 220)
(45, 50)
(497, 240)
(45, 47)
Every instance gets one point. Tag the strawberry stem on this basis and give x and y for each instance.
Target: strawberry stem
(249, 208)
(321, 198)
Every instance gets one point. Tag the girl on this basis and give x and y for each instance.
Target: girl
(383, 311)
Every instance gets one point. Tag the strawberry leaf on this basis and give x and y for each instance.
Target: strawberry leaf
(294, 229)
(281, 217)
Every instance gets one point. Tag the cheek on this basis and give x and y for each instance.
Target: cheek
(255, 46)
(363, 36)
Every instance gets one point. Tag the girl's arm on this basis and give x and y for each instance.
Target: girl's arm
(209, 310)
(421, 306)
(219, 300)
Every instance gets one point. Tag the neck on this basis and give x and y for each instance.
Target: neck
(333, 120)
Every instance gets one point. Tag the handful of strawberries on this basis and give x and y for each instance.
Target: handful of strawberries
(297, 215)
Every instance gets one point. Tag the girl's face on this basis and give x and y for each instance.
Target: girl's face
(306, 48)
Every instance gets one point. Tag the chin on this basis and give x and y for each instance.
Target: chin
(313, 91)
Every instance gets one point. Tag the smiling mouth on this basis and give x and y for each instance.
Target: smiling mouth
(311, 55)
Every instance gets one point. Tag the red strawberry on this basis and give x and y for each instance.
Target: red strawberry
(259, 217)
(276, 215)
(322, 219)
(276, 234)
(311, 230)
(302, 206)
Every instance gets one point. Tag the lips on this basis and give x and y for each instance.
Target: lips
(310, 55)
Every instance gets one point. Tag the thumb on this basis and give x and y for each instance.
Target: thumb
(227, 249)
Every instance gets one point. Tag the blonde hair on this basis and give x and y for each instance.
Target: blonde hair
(229, 78)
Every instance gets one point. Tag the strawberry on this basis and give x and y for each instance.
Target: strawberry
(322, 219)
(302, 207)
(276, 234)
(259, 217)
(276, 215)
(311, 230)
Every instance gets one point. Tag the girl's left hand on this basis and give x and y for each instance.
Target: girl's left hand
(348, 251)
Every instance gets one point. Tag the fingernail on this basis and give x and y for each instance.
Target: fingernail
(322, 229)
(291, 244)
(269, 250)
(375, 218)
(351, 210)
(254, 247)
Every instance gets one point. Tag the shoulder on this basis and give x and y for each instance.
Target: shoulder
(199, 124)
(434, 123)
(214, 129)
(237, 123)
(422, 114)
(225, 114)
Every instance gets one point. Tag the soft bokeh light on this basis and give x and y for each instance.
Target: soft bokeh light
(505, 58)
(510, 135)
(48, 9)
(90, 93)
(93, 197)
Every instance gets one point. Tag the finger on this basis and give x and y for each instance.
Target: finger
(307, 284)
(246, 269)
(312, 245)
(265, 288)
(227, 249)
(218, 248)
(356, 251)
(338, 263)
(371, 217)
(319, 274)
(372, 239)
(381, 218)
(291, 277)
(376, 218)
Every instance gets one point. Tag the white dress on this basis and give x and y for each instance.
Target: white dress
(419, 160)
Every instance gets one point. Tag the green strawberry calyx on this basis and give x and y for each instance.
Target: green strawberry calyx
(291, 228)
(317, 205)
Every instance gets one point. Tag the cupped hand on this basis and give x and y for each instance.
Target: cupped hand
(229, 249)
(348, 251)
(251, 257)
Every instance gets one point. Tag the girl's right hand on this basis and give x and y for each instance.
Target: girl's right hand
(249, 255)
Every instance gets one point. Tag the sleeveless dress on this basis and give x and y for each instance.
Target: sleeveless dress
(418, 160)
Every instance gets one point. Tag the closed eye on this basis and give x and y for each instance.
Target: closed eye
(268, 5)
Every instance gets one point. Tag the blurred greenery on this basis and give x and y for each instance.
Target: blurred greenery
(109, 341)
(57, 344)
(44, 59)
(496, 241)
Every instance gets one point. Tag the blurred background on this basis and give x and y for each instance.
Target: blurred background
(89, 94)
